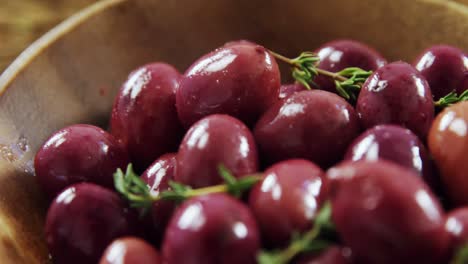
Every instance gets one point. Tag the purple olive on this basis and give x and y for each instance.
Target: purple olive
(130, 250)
(78, 153)
(288, 89)
(144, 117)
(240, 79)
(287, 199)
(396, 144)
(157, 176)
(331, 255)
(398, 94)
(445, 69)
(314, 125)
(215, 140)
(83, 220)
(340, 54)
(457, 226)
(386, 214)
(211, 229)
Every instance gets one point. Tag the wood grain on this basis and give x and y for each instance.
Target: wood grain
(23, 21)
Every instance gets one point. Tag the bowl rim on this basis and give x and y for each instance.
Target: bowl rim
(28, 55)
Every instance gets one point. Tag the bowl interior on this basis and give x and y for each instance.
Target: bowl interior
(72, 73)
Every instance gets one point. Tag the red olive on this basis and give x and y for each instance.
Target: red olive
(288, 89)
(83, 220)
(340, 54)
(144, 116)
(130, 250)
(314, 125)
(215, 140)
(211, 229)
(287, 199)
(331, 255)
(78, 153)
(157, 177)
(457, 226)
(240, 79)
(397, 94)
(396, 144)
(448, 144)
(445, 68)
(386, 214)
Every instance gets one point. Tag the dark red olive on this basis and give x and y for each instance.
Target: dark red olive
(331, 255)
(398, 94)
(158, 176)
(212, 141)
(78, 153)
(287, 199)
(288, 89)
(386, 214)
(340, 54)
(144, 117)
(457, 226)
(445, 69)
(211, 229)
(314, 125)
(83, 220)
(240, 79)
(396, 144)
(130, 250)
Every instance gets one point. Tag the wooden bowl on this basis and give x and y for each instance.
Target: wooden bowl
(72, 73)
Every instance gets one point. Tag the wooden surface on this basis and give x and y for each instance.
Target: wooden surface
(23, 21)
(72, 74)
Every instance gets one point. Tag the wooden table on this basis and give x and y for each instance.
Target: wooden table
(23, 21)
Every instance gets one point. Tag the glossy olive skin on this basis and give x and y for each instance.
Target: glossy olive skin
(445, 69)
(211, 229)
(83, 220)
(340, 54)
(457, 226)
(144, 116)
(397, 94)
(78, 153)
(157, 177)
(130, 250)
(314, 125)
(288, 89)
(287, 199)
(240, 79)
(386, 214)
(331, 255)
(448, 144)
(215, 140)
(396, 144)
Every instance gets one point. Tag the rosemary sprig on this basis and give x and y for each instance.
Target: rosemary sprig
(461, 255)
(139, 195)
(307, 242)
(348, 82)
(451, 98)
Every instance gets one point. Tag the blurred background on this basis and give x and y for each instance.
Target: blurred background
(23, 21)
